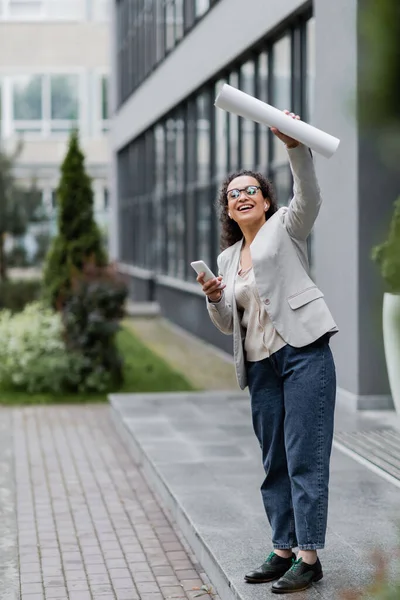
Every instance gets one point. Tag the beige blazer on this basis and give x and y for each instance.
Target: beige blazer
(294, 303)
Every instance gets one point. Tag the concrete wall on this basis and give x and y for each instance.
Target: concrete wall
(358, 191)
(54, 45)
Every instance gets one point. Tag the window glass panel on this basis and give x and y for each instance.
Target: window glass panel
(203, 196)
(178, 19)
(201, 7)
(27, 100)
(262, 94)
(169, 25)
(221, 135)
(247, 81)
(281, 88)
(233, 130)
(203, 140)
(25, 8)
(104, 97)
(64, 90)
(310, 83)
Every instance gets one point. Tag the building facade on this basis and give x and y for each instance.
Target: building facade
(171, 148)
(54, 65)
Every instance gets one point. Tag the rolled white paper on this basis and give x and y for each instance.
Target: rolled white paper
(244, 105)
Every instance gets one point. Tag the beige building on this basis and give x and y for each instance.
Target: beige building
(54, 58)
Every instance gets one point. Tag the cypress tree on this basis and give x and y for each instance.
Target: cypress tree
(78, 241)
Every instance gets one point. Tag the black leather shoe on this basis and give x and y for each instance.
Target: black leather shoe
(299, 577)
(273, 568)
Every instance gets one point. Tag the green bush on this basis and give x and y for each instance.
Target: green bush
(33, 356)
(16, 294)
(78, 240)
(387, 255)
(91, 314)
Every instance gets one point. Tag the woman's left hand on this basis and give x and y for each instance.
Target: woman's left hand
(290, 142)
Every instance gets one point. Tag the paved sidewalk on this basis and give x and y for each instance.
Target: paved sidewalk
(89, 528)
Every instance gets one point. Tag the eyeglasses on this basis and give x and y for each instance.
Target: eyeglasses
(250, 190)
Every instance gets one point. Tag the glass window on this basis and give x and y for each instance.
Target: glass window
(263, 131)
(203, 196)
(310, 83)
(104, 102)
(201, 7)
(45, 103)
(49, 9)
(247, 84)
(64, 97)
(25, 8)
(281, 88)
(27, 95)
(169, 25)
(233, 130)
(203, 140)
(146, 31)
(221, 138)
(178, 19)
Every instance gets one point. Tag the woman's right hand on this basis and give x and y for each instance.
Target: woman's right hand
(212, 288)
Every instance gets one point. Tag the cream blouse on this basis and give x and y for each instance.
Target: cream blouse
(261, 339)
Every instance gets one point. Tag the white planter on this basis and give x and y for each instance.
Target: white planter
(391, 338)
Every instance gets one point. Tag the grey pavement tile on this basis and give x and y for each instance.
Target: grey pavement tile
(164, 570)
(173, 592)
(80, 595)
(126, 595)
(164, 580)
(57, 593)
(118, 573)
(140, 567)
(31, 588)
(123, 583)
(147, 587)
(144, 576)
(34, 577)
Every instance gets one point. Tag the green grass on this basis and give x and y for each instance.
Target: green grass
(143, 372)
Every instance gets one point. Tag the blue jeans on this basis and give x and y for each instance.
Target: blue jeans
(293, 401)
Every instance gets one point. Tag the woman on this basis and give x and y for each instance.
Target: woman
(281, 328)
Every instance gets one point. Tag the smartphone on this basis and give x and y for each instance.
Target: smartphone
(200, 267)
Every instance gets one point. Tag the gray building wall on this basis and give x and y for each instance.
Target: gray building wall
(359, 190)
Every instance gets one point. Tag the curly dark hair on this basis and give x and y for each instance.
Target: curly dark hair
(230, 230)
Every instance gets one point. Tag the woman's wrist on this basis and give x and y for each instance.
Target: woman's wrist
(292, 145)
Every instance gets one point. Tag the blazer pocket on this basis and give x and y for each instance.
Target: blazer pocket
(304, 297)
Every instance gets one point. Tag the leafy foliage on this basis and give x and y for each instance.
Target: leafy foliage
(387, 255)
(33, 356)
(78, 240)
(16, 294)
(379, 24)
(91, 314)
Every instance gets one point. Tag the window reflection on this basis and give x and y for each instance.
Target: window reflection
(248, 128)
(310, 82)
(281, 88)
(262, 94)
(221, 135)
(233, 130)
(147, 30)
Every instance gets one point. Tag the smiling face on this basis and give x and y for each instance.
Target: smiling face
(246, 204)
